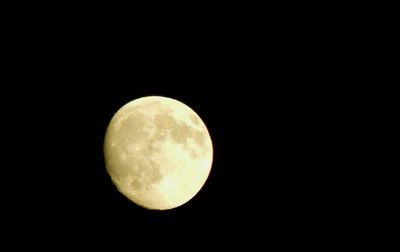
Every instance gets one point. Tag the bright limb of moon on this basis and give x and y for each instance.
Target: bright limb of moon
(158, 152)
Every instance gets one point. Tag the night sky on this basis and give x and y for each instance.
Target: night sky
(268, 114)
(263, 169)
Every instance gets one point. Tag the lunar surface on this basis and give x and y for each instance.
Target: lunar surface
(158, 152)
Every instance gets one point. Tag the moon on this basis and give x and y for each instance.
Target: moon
(158, 152)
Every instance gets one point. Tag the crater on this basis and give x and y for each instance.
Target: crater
(118, 160)
(181, 133)
(165, 121)
(160, 136)
(195, 119)
(146, 175)
(133, 127)
(136, 185)
(200, 138)
(193, 153)
(153, 175)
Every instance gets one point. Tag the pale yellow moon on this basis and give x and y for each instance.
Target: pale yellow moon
(158, 152)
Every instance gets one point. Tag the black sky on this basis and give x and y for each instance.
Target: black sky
(266, 156)
(266, 96)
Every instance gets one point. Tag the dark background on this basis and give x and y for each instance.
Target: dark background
(267, 150)
(269, 93)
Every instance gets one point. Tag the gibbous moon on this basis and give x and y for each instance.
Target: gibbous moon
(158, 152)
